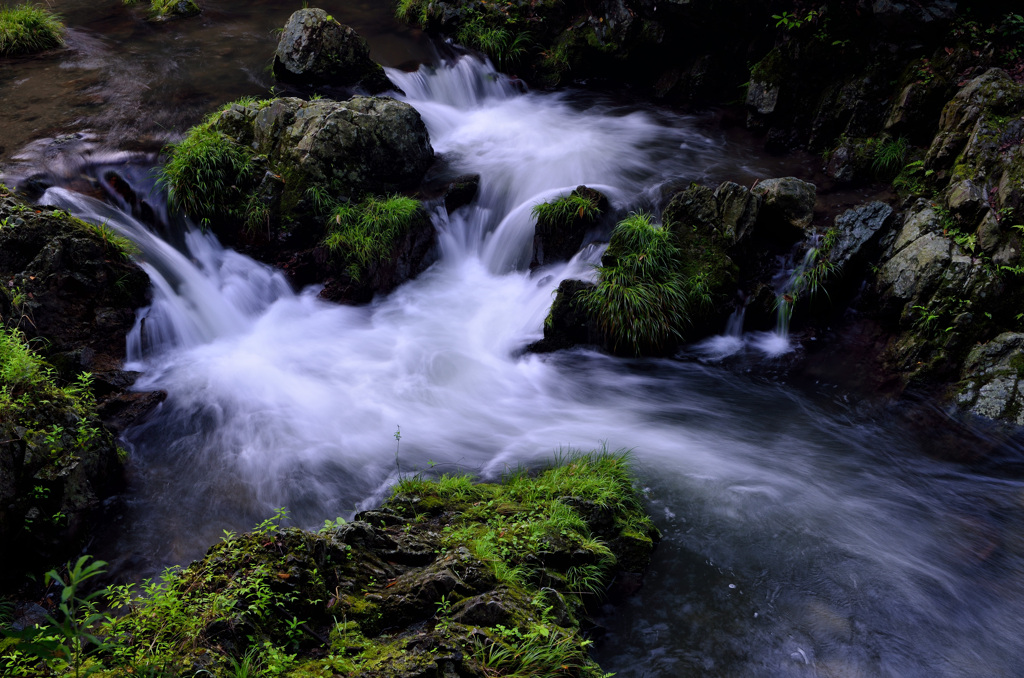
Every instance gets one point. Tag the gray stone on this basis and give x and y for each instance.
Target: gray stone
(762, 97)
(365, 143)
(737, 210)
(787, 206)
(315, 49)
(859, 229)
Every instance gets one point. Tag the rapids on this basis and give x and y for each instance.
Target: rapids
(805, 534)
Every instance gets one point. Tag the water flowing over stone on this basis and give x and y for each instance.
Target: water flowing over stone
(819, 539)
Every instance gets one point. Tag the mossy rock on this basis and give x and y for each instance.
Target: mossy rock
(343, 600)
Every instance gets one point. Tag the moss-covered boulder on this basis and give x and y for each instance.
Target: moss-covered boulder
(448, 578)
(314, 49)
(69, 282)
(282, 178)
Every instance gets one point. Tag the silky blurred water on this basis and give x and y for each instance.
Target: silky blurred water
(805, 534)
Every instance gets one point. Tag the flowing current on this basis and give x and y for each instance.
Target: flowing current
(801, 539)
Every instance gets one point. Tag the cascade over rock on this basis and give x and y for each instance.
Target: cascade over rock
(314, 49)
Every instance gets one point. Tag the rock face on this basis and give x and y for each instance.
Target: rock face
(314, 49)
(73, 286)
(991, 385)
(940, 297)
(858, 231)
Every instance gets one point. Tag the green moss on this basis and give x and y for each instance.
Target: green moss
(166, 9)
(28, 28)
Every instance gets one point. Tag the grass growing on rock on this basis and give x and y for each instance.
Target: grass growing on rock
(565, 209)
(28, 28)
(366, 232)
(641, 301)
(418, 587)
(205, 172)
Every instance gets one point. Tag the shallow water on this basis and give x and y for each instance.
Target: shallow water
(805, 534)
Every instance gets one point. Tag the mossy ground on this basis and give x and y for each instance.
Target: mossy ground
(448, 578)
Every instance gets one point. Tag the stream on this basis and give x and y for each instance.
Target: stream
(806, 533)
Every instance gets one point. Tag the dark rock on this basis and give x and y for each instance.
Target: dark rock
(558, 238)
(787, 207)
(858, 231)
(461, 191)
(314, 49)
(567, 324)
(737, 210)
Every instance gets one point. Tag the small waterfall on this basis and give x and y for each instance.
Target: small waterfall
(199, 295)
(530, 147)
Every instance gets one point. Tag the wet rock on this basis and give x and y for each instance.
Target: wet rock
(568, 323)
(461, 191)
(314, 49)
(559, 236)
(365, 143)
(787, 207)
(737, 210)
(858, 231)
(991, 379)
(693, 207)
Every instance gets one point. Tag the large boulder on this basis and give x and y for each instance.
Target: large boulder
(787, 207)
(364, 144)
(314, 49)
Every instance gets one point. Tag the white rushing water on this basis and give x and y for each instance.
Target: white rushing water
(824, 545)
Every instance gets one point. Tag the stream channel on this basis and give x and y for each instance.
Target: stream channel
(806, 533)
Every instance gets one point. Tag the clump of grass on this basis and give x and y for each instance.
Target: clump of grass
(566, 209)
(28, 28)
(641, 300)
(365, 232)
(890, 156)
(204, 174)
(19, 366)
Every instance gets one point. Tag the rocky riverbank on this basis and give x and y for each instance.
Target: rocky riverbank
(447, 578)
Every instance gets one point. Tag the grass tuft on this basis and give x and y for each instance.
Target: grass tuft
(28, 28)
(566, 209)
(641, 300)
(204, 172)
(365, 232)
